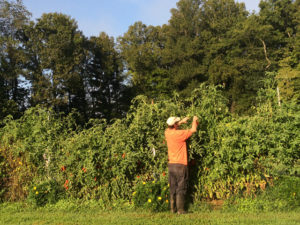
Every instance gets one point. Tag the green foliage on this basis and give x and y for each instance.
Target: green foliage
(50, 62)
(214, 41)
(153, 195)
(28, 145)
(104, 77)
(283, 195)
(141, 47)
(102, 162)
(56, 76)
(228, 156)
(13, 94)
(47, 192)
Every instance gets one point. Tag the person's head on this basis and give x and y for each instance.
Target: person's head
(173, 122)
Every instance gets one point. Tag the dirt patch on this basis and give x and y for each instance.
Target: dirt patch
(216, 204)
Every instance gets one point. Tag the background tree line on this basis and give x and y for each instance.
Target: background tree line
(50, 62)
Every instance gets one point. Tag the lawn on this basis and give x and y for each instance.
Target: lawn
(23, 215)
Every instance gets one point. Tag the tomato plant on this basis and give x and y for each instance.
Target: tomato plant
(228, 155)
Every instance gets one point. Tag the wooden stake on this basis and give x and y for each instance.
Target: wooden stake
(278, 96)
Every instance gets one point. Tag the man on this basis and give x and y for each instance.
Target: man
(178, 160)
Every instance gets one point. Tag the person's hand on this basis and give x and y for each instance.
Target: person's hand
(195, 118)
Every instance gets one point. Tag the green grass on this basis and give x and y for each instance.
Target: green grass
(20, 214)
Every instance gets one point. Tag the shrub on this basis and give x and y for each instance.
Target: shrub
(45, 192)
(153, 195)
(282, 196)
(228, 155)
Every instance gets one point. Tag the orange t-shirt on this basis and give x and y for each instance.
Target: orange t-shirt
(177, 150)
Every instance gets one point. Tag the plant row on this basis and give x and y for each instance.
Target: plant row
(45, 157)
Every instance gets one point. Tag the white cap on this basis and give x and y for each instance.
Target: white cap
(172, 120)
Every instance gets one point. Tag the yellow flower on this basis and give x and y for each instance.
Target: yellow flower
(149, 200)
(153, 182)
(20, 163)
(167, 201)
(36, 192)
(144, 182)
(168, 185)
(34, 188)
(133, 193)
(159, 198)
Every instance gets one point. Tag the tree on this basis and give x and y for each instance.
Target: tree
(289, 66)
(184, 50)
(280, 15)
(141, 47)
(56, 56)
(106, 91)
(283, 18)
(13, 17)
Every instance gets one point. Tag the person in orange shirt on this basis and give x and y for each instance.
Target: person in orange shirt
(178, 160)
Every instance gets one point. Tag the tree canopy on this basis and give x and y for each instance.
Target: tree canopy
(50, 62)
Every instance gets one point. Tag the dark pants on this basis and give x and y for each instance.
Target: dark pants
(178, 179)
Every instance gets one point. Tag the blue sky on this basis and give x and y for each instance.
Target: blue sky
(112, 16)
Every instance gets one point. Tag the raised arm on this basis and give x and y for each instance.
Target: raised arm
(194, 124)
(184, 120)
